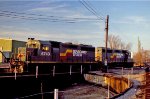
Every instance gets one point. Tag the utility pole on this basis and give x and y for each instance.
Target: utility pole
(139, 52)
(106, 40)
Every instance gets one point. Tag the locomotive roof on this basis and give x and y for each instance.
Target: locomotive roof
(86, 45)
(49, 42)
(112, 49)
(54, 41)
(82, 45)
(45, 42)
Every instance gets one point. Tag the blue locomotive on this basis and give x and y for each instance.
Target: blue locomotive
(38, 52)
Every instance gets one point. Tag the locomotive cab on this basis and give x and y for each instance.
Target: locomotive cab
(32, 48)
(38, 51)
(33, 43)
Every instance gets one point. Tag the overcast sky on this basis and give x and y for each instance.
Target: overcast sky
(70, 21)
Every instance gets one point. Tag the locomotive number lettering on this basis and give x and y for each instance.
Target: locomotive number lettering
(78, 53)
(45, 54)
(120, 55)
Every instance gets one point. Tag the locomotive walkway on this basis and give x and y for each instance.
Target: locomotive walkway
(4, 65)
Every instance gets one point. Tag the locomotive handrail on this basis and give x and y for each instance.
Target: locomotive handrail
(3, 55)
(32, 75)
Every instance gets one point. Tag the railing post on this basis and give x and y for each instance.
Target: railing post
(10, 69)
(122, 71)
(108, 88)
(90, 67)
(27, 66)
(81, 69)
(55, 93)
(15, 73)
(36, 71)
(53, 71)
(70, 69)
(132, 70)
(128, 80)
(42, 90)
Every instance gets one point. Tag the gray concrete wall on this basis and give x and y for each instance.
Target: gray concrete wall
(117, 84)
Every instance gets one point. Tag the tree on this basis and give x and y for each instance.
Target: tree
(115, 42)
(128, 46)
(139, 56)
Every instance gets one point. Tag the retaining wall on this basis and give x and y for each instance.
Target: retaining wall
(117, 84)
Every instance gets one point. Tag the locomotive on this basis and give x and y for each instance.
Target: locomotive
(38, 51)
(53, 53)
(115, 57)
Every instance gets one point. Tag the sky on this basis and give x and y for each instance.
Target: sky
(71, 21)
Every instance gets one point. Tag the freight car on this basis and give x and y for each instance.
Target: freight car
(47, 54)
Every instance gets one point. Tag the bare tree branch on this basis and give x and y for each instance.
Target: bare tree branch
(116, 43)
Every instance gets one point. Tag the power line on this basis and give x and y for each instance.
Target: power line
(36, 19)
(95, 9)
(88, 7)
(92, 9)
(40, 17)
(12, 15)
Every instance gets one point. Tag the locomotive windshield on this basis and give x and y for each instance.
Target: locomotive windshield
(33, 44)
